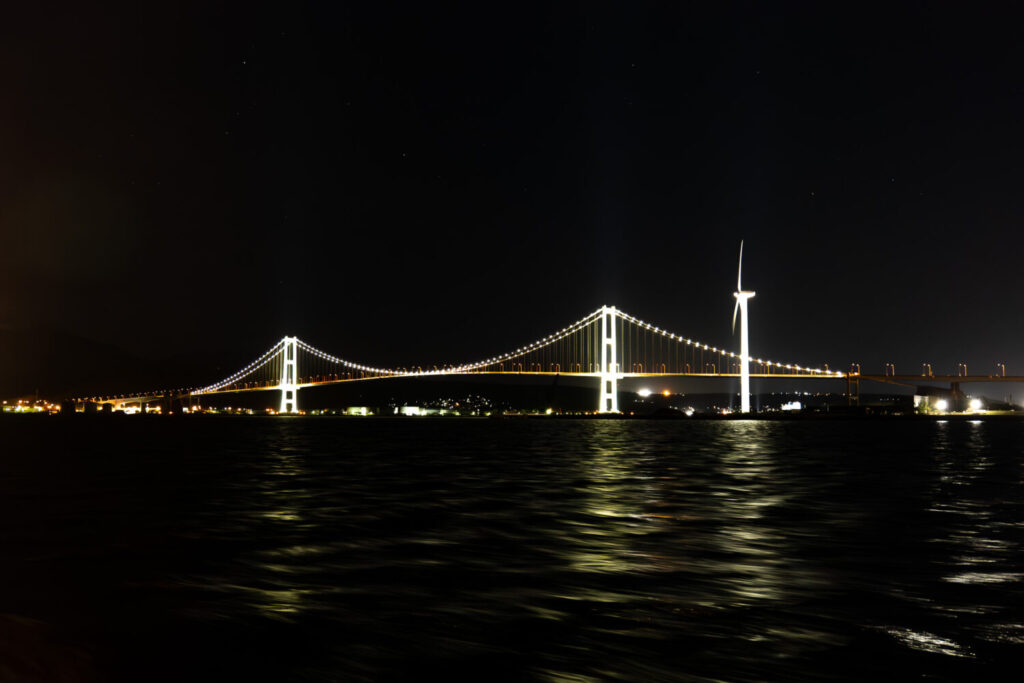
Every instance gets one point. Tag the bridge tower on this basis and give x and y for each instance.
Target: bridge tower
(289, 375)
(609, 365)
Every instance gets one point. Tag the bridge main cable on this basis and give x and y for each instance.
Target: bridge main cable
(252, 367)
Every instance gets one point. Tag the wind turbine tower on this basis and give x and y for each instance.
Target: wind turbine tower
(741, 307)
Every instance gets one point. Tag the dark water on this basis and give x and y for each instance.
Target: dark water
(342, 549)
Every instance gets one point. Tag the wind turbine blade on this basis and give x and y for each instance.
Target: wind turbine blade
(734, 312)
(739, 273)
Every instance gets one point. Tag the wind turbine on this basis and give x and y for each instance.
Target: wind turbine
(741, 307)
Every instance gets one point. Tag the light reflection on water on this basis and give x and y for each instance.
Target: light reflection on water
(356, 550)
(978, 554)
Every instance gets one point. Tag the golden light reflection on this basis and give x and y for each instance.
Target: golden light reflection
(929, 642)
(982, 559)
(761, 556)
(605, 545)
(278, 602)
(285, 596)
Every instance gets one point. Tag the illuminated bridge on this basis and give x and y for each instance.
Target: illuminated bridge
(607, 344)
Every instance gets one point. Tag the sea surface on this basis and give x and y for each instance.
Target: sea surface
(346, 549)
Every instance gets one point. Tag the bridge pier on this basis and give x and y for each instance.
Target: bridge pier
(959, 397)
(608, 401)
(289, 376)
(852, 389)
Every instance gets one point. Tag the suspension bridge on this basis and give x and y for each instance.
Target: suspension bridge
(607, 344)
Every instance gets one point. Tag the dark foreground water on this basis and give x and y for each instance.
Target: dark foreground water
(142, 549)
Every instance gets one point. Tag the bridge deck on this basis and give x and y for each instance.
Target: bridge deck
(901, 380)
(624, 375)
(949, 379)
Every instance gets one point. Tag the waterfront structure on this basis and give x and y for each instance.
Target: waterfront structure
(741, 306)
(606, 344)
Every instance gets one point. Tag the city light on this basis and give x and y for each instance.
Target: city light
(644, 393)
(975, 404)
(941, 405)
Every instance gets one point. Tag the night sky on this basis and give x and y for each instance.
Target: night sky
(431, 183)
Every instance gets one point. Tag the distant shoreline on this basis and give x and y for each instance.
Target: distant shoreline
(760, 417)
